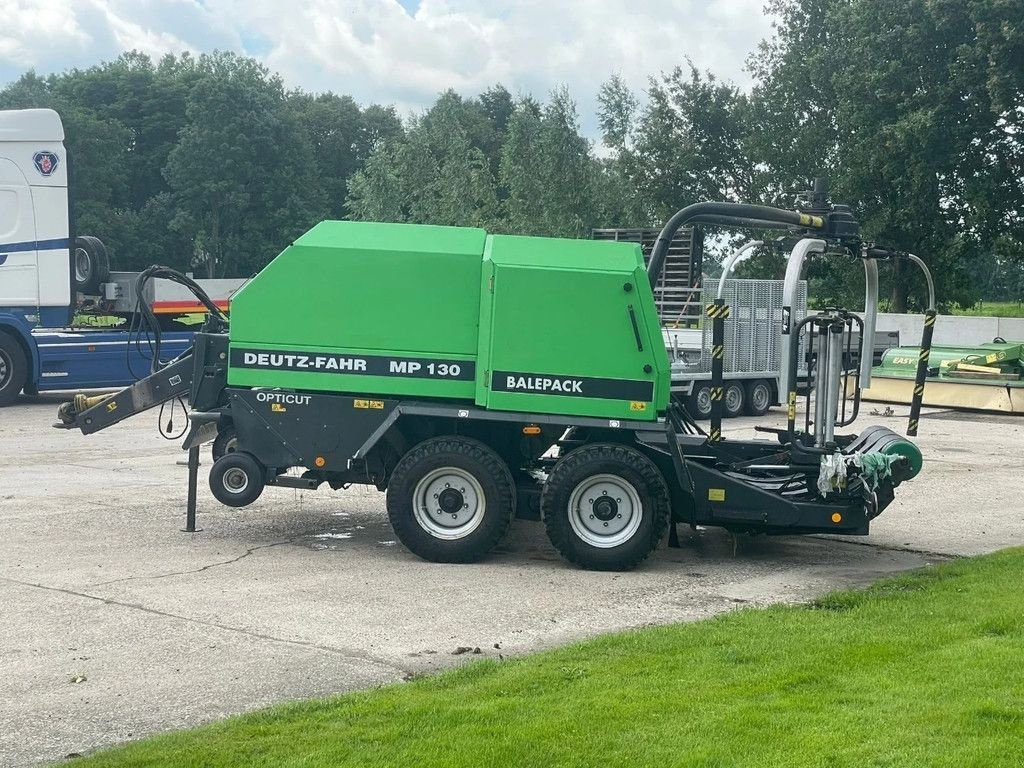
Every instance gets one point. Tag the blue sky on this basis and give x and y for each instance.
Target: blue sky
(400, 51)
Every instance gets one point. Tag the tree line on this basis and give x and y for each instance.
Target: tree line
(912, 110)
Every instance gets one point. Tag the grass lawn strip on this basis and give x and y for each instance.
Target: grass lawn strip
(923, 669)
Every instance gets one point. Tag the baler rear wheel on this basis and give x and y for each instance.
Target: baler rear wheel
(605, 507)
(451, 499)
(226, 442)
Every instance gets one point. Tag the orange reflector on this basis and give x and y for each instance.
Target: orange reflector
(531, 430)
(836, 517)
(319, 461)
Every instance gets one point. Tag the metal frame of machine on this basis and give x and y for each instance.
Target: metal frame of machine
(457, 471)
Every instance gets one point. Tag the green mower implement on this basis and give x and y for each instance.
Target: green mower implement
(476, 378)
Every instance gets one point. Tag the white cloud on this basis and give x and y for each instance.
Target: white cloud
(378, 51)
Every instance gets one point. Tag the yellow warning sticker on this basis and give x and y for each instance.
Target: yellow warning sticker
(111, 406)
(374, 404)
(716, 494)
(637, 405)
(791, 406)
(278, 408)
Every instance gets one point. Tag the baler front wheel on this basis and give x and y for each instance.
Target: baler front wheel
(451, 499)
(237, 479)
(605, 507)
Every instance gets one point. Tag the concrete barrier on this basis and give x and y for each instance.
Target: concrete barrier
(953, 330)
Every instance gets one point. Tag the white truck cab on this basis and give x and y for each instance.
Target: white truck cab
(36, 268)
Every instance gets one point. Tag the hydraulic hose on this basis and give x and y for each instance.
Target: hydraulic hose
(739, 215)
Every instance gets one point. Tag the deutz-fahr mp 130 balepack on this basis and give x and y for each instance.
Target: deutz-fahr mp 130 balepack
(476, 378)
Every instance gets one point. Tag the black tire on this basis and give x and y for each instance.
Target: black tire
(13, 369)
(226, 442)
(237, 479)
(471, 471)
(759, 397)
(92, 265)
(699, 404)
(602, 467)
(734, 399)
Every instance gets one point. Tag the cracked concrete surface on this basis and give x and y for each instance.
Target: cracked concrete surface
(307, 594)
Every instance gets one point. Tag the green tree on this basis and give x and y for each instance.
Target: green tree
(241, 175)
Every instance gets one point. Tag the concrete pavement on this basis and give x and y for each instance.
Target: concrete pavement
(307, 594)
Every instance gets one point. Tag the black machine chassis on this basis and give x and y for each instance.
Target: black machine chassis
(353, 439)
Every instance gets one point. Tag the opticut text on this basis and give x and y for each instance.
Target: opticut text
(543, 384)
(281, 397)
(305, 362)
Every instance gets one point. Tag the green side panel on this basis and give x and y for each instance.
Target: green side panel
(397, 295)
(556, 333)
(902, 361)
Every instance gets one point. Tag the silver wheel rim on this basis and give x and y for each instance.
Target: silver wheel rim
(235, 480)
(733, 399)
(605, 511)
(81, 264)
(759, 396)
(703, 400)
(448, 503)
(5, 369)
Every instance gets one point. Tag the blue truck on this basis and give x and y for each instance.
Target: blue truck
(56, 288)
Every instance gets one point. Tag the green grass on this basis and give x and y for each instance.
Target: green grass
(925, 669)
(993, 309)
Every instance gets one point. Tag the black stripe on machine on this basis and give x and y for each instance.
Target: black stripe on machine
(572, 386)
(365, 365)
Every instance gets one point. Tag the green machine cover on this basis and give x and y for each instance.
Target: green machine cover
(509, 323)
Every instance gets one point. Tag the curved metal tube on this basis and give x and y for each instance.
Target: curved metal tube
(794, 269)
(867, 338)
(927, 277)
(724, 214)
(733, 260)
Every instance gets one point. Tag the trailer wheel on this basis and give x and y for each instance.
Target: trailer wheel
(226, 442)
(237, 479)
(92, 266)
(13, 369)
(759, 397)
(733, 400)
(451, 499)
(605, 507)
(700, 402)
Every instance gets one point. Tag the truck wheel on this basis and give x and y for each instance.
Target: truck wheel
(92, 266)
(605, 507)
(451, 499)
(236, 479)
(13, 369)
(700, 402)
(733, 400)
(759, 397)
(226, 442)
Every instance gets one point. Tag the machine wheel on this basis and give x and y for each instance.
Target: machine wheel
(13, 369)
(92, 266)
(237, 479)
(733, 400)
(700, 402)
(226, 442)
(605, 507)
(451, 499)
(759, 397)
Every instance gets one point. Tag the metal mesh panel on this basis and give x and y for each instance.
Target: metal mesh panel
(752, 330)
